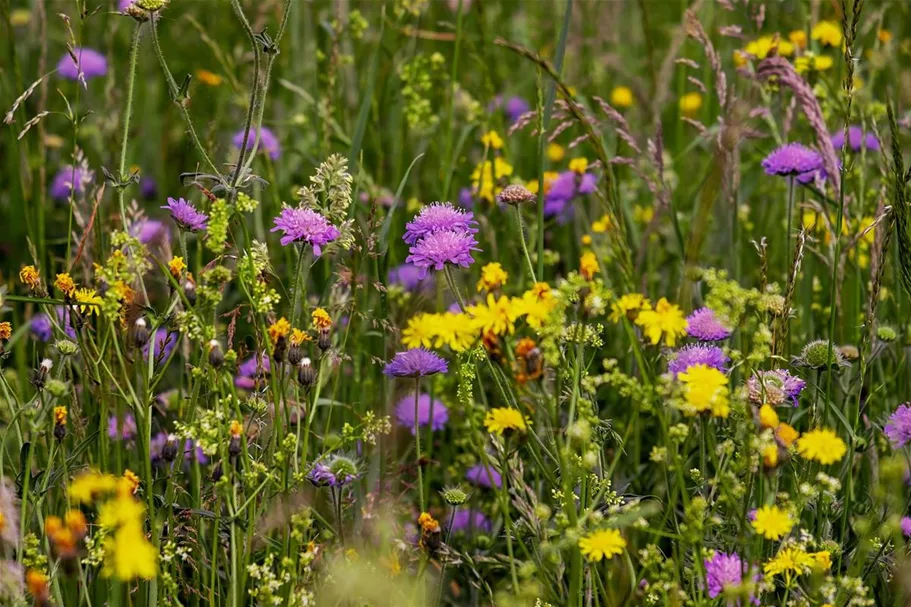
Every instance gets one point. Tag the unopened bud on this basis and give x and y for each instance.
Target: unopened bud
(306, 374)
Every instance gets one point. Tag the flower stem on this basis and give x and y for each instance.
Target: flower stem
(531, 267)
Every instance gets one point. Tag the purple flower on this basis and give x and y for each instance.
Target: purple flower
(148, 188)
(466, 198)
(123, 5)
(41, 328)
(415, 363)
(438, 217)
(189, 451)
(906, 526)
(305, 225)
(122, 430)
(563, 189)
(251, 369)
(441, 248)
(68, 177)
(697, 354)
(470, 520)
(588, 183)
(793, 159)
(857, 139)
(484, 476)
(268, 141)
(186, 215)
(63, 317)
(899, 427)
(774, 387)
(150, 230)
(404, 412)
(723, 570)
(513, 107)
(91, 64)
(337, 471)
(165, 341)
(703, 324)
(408, 276)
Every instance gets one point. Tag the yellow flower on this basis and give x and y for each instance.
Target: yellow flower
(828, 33)
(279, 329)
(772, 522)
(455, 330)
(786, 434)
(59, 416)
(421, 331)
(176, 266)
(65, 284)
(89, 486)
(208, 78)
(705, 389)
(770, 456)
(578, 165)
(6, 330)
(235, 428)
(822, 560)
(129, 482)
(588, 265)
(821, 445)
(503, 419)
(884, 36)
(621, 97)
(298, 337)
(586, 240)
(535, 305)
(643, 214)
(602, 225)
(122, 510)
(428, 523)
(492, 139)
(790, 559)
(604, 543)
(811, 62)
(29, 276)
(128, 554)
(767, 417)
(629, 306)
(555, 152)
(321, 319)
(665, 320)
(798, 38)
(493, 276)
(90, 299)
(487, 176)
(497, 317)
(690, 103)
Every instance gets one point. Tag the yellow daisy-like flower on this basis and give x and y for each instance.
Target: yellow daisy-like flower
(602, 225)
(588, 265)
(578, 165)
(298, 337)
(690, 103)
(761, 48)
(487, 176)
(176, 267)
(455, 330)
(621, 97)
(421, 331)
(767, 417)
(666, 320)
(208, 78)
(129, 554)
(321, 319)
(535, 307)
(492, 139)
(798, 38)
(90, 299)
(828, 33)
(280, 328)
(493, 276)
(772, 522)
(60, 416)
(6, 330)
(601, 544)
(502, 419)
(497, 317)
(789, 560)
(29, 276)
(555, 152)
(705, 389)
(812, 63)
(821, 445)
(64, 283)
(629, 306)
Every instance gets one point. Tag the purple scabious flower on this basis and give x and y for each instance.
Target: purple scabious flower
(123, 5)
(415, 363)
(774, 387)
(793, 160)
(305, 225)
(337, 471)
(404, 412)
(906, 526)
(186, 215)
(697, 354)
(484, 476)
(440, 248)
(438, 217)
(723, 570)
(41, 328)
(250, 370)
(122, 430)
(470, 520)
(268, 141)
(150, 230)
(165, 342)
(91, 64)
(899, 427)
(408, 276)
(857, 139)
(66, 179)
(704, 325)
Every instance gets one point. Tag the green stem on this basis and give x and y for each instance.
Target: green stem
(531, 267)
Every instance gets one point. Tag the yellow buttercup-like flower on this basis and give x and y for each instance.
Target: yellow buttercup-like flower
(822, 446)
(621, 97)
(772, 522)
(705, 389)
(629, 306)
(578, 165)
(498, 316)
(605, 543)
(690, 103)
(493, 276)
(666, 320)
(828, 33)
(503, 419)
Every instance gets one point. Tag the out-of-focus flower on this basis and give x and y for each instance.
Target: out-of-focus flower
(68, 178)
(492, 139)
(821, 445)
(828, 33)
(761, 48)
(513, 107)
(484, 476)
(772, 522)
(268, 141)
(690, 103)
(307, 226)
(798, 38)
(588, 265)
(857, 139)
(186, 215)
(697, 354)
(555, 152)
(601, 544)
(407, 276)
(622, 97)
(89, 64)
(503, 420)
(898, 429)
(470, 520)
(124, 429)
(487, 178)
(493, 276)
(212, 79)
(41, 327)
(812, 63)
(404, 412)
(415, 363)
(165, 341)
(703, 324)
(906, 526)
(723, 571)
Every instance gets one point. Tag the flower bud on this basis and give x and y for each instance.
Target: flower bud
(140, 332)
(189, 291)
(325, 339)
(169, 451)
(306, 374)
(216, 356)
(295, 354)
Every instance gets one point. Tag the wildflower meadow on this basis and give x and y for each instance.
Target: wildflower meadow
(583, 303)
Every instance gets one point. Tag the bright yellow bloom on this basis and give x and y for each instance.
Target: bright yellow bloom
(487, 177)
(59, 416)
(455, 330)
(821, 445)
(128, 554)
(588, 265)
(770, 456)
(789, 560)
(279, 329)
(90, 299)
(89, 486)
(503, 419)
(535, 307)
(578, 165)
(767, 417)
(208, 78)
(690, 103)
(762, 48)
(828, 33)
(176, 266)
(321, 319)
(798, 38)
(586, 240)
(555, 152)
(705, 389)
(129, 482)
(811, 62)
(602, 225)
(493, 276)
(65, 284)
(621, 97)
(122, 510)
(235, 428)
(772, 522)
(629, 306)
(298, 337)
(822, 560)
(6, 330)
(497, 317)
(884, 36)
(420, 331)
(665, 320)
(604, 543)
(124, 292)
(29, 276)
(492, 139)
(786, 434)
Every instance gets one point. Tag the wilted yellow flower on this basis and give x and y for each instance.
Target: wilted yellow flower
(29, 276)
(6, 330)
(65, 284)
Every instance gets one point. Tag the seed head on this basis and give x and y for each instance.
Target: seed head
(516, 194)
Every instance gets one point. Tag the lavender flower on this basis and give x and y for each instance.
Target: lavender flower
(697, 354)
(189, 451)
(305, 225)
(774, 387)
(268, 141)
(41, 328)
(441, 248)
(415, 363)
(438, 217)
(484, 476)
(66, 179)
(857, 139)
(337, 471)
(150, 230)
(91, 64)
(466, 198)
(251, 369)
(470, 520)
(721, 571)
(704, 325)
(165, 342)
(186, 215)
(65, 319)
(122, 430)
(404, 412)
(906, 526)
(899, 427)
(408, 276)
(794, 160)
(563, 189)
(148, 188)
(513, 107)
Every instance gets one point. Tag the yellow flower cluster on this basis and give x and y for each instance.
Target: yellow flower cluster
(761, 48)
(822, 446)
(794, 560)
(493, 276)
(705, 389)
(487, 178)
